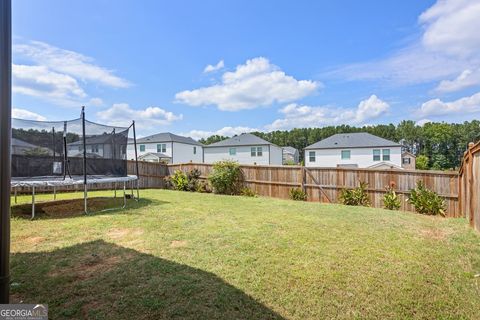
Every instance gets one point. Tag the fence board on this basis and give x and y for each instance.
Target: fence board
(469, 185)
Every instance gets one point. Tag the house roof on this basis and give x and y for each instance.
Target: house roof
(20, 143)
(156, 154)
(245, 139)
(408, 153)
(352, 140)
(100, 139)
(167, 137)
(289, 149)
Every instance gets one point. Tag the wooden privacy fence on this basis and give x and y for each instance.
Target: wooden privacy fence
(469, 185)
(325, 184)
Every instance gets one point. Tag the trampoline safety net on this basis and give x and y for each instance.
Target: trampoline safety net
(55, 150)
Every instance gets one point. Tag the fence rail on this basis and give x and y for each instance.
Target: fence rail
(469, 185)
(325, 184)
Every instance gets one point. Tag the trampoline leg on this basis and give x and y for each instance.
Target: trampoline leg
(33, 202)
(85, 196)
(138, 190)
(54, 193)
(131, 187)
(15, 193)
(115, 190)
(124, 195)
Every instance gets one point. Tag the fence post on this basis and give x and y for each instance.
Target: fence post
(304, 179)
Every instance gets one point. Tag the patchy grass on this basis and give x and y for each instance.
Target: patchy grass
(203, 256)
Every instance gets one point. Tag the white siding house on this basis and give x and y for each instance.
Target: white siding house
(165, 146)
(356, 150)
(245, 149)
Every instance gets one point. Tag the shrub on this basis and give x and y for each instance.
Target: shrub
(298, 194)
(355, 197)
(202, 187)
(226, 177)
(289, 163)
(192, 178)
(179, 180)
(421, 163)
(426, 201)
(247, 192)
(391, 199)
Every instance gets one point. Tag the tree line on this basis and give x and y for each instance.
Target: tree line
(437, 145)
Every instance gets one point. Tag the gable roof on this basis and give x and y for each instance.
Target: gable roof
(156, 154)
(245, 139)
(289, 149)
(167, 137)
(352, 140)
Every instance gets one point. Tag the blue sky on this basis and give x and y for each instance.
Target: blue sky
(204, 67)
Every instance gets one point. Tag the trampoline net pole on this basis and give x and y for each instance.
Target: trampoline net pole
(136, 158)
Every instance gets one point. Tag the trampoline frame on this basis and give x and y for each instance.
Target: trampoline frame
(45, 182)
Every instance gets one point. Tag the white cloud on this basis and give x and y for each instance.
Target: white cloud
(39, 81)
(437, 107)
(68, 62)
(468, 78)
(253, 84)
(27, 115)
(422, 122)
(308, 116)
(452, 26)
(448, 46)
(121, 114)
(225, 131)
(212, 68)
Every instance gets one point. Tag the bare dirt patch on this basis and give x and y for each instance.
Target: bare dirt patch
(63, 208)
(178, 244)
(436, 234)
(34, 240)
(119, 233)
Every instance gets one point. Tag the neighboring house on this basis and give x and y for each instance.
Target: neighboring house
(245, 149)
(290, 155)
(359, 150)
(20, 147)
(179, 149)
(408, 160)
(102, 146)
(155, 157)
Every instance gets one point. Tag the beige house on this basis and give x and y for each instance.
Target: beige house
(408, 160)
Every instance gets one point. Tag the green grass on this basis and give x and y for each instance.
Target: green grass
(203, 256)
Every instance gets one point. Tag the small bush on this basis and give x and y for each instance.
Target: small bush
(355, 197)
(247, 192)
(226, 177)
(297, 194)
(192, 177)
(426, 201)
(202, 187)
(179, 181)
(391, 200)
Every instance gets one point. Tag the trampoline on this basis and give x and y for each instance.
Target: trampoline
(58, 154)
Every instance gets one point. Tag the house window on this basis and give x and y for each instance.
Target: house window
(142, 148)
(232, 151)
(259, 151)
(376, 154)
(406, 160)
(194, 150)
(311, 156)
(386, 154)
(345, 154)
(95, 148)
(253, 151)
(162, 147)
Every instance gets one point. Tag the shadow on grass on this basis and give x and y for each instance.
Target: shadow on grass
(68, 208)
(100, 280)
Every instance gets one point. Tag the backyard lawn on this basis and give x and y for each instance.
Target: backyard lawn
(202, 256)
